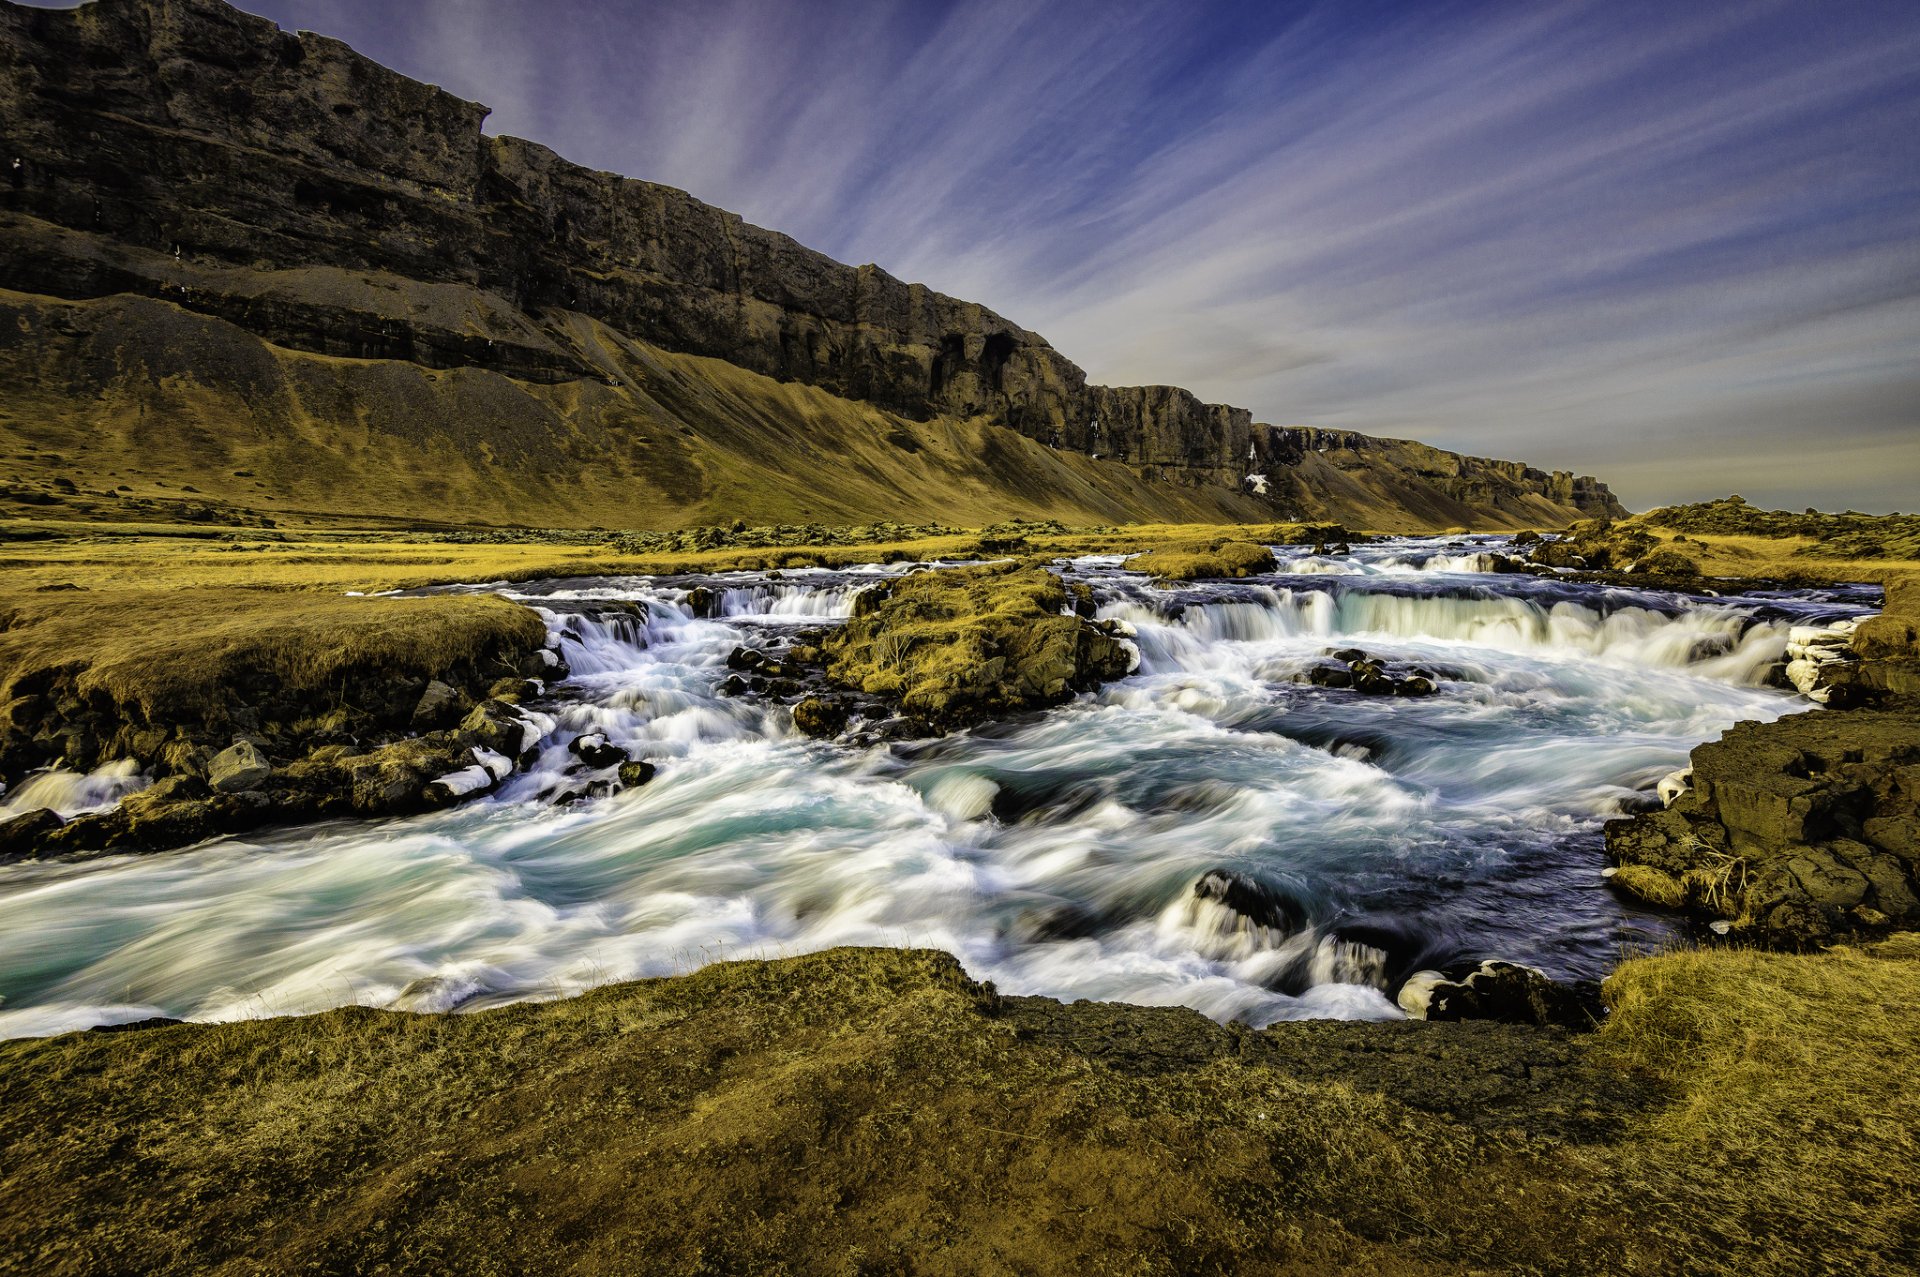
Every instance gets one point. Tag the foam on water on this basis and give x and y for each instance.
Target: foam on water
(1056, 854)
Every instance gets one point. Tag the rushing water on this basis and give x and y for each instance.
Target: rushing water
(1055, 854)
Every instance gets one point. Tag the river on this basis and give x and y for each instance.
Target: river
(1055, 854)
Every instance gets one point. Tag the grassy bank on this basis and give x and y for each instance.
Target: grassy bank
(874, 1111)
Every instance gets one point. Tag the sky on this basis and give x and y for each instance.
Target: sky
(1673, 245)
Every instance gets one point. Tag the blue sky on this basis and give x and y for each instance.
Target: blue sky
(1676, 245)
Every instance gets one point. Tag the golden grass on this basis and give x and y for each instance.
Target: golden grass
(1795, 1125)
(1779, 558)
(170, 652)
(956, 642)
(874, 1111)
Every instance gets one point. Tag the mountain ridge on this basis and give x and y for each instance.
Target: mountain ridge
(319, 202)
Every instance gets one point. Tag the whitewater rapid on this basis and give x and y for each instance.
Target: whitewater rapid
(1055, 854)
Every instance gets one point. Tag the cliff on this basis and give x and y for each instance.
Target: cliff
(316, 202)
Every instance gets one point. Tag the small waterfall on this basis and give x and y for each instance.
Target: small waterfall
(70, 792)
(1721, 643)
(780, 599)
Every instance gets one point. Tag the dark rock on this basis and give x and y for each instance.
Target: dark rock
(1793, 834)
(20, 836)
(1503, 991)
(746, 658)
(439, 706)
(820, 718)
(635, 774)
(1251, 899)
(703, 602)
(593, 749)
(513, 690)
(137, 1026)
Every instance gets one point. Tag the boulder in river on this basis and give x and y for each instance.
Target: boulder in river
(818, 717)
(1504, 991)
(1793, 833)
(593, 749)
(956, 646)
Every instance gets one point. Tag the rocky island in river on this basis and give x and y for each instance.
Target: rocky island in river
(544, 727)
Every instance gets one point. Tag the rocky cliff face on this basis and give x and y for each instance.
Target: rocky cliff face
(285, 184)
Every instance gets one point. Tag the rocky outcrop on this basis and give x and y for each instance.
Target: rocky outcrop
(282, 183)
(1793, 833)
(1800, 831)
(953, 647)
(400, 778)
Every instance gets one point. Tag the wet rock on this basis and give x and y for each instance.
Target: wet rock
(21, 835)
(635, 774)
(747, 658)
(1249, 898)
(703, 602)
(594, 750)
(543, 663)
(820, 718)
(1502, 991)
(238, 768)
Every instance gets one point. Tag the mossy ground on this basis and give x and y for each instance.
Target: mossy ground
(955, 645)
(1205, 559)
(172, 652)
(874, 1111)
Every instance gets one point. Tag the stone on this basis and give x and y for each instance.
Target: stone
(238, 768)
(593, 749)
(635, 774)
(21, 835)
(440, 705)
(819, 718)
(1506, 992)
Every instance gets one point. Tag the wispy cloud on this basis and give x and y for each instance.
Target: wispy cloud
(1676, 245)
